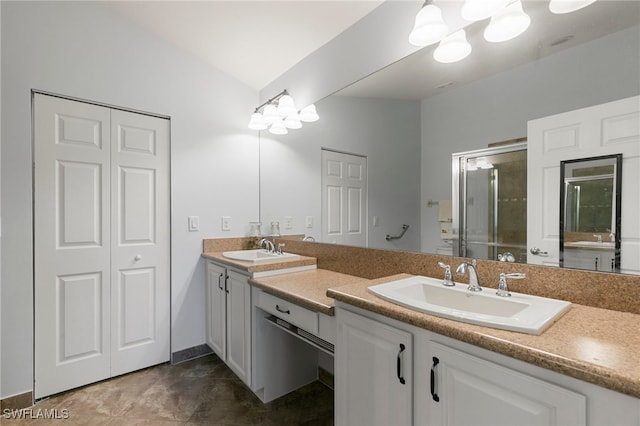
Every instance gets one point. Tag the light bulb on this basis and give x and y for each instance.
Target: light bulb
(278, 128)
(508, 23)
(308, 114)
(270, 114)
(257, 122)
(286, 106)
(293, 122)
(452, 48)
(429, 26)
(477, 10)
(567, 6)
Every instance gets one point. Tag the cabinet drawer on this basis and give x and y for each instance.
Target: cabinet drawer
(290, 312)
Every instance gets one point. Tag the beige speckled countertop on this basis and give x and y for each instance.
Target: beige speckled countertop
(596, 345)
(307, 288)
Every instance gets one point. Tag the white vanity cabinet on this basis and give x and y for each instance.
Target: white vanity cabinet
(374, 376)
(229, 318)
(468, 390)
(467, 385)
(589, 259)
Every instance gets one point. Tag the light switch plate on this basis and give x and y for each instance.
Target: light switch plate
(194, 223)
(226, 223)
(309, 221)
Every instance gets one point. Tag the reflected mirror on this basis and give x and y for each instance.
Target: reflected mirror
(590, 213)
(410, 117)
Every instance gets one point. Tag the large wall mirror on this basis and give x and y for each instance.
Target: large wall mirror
(590, 213)
(410, 117)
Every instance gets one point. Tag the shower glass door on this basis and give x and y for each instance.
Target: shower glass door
(490, 203)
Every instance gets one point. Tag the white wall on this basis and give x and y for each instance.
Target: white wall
(84, 50)
(387, 132)
(498, 108)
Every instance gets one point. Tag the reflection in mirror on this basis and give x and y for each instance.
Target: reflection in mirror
(408, 118)
(490, 203)
(590, 213)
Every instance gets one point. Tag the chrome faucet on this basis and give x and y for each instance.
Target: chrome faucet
(598, 237)
(473, 277)
(268, 245)
(448, 281)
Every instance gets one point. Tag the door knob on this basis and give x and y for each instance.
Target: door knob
(537, 251)
(138, 257)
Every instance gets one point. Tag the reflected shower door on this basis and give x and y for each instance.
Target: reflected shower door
(492, 203)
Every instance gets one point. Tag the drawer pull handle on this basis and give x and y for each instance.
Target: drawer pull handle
(219, 278)
(284, 311)
(399, 364)
(434, 395)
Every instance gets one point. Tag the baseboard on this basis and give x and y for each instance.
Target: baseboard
(190, 353)
(17, 402)
(325, 377)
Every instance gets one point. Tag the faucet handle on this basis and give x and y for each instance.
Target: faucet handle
(280, 246)
(448, 280)
(503, 290)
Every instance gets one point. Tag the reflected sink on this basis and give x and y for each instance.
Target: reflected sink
(257, 255)
(592, 244)
(521, 312)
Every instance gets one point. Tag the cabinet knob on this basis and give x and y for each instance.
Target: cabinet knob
(137, 257)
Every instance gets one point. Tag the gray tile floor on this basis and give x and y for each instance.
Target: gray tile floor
(198, 392)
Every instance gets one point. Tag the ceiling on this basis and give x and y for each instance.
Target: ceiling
(257, 41)
(253, 41)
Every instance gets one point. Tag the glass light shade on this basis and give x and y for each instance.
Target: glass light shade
(270, 114)
(293, 122)
(477, 10)
(452, 48)
(257, 122)
(286, 106)
(567, 6)
(309, 114)
(508, 23)
(278, 128)
(429, 27)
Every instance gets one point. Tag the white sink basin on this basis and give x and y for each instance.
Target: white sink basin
(257, 255)
(520, 312)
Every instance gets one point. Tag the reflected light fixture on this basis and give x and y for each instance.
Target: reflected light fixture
(280, 113)
(309, 114)
(567, 6)
(429, 27)
(477, 10)
(452, 48)
(507, 23)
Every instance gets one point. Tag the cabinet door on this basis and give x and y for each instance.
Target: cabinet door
(239, 325)
(216, 309)
(373, 372)
(471, 390)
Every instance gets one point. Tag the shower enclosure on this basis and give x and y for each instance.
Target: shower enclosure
(490, 203)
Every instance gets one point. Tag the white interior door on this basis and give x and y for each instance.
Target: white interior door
(605, 129)
(140, 251)
(71, 244)
(101, 243)
(344, 198)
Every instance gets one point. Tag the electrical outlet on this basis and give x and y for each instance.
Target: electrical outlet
(288, 222)
(194, 223)
(226, 223)
(309, 221)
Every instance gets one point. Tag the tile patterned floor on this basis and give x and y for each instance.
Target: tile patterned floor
(198, 392)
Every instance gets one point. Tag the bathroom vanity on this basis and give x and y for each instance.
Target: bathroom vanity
(394, 365)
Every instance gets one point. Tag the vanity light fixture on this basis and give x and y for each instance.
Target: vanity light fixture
(477, 10)
(429, 27)
(507, 23)
(280, 113)
(567, 6)
(452, 48)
